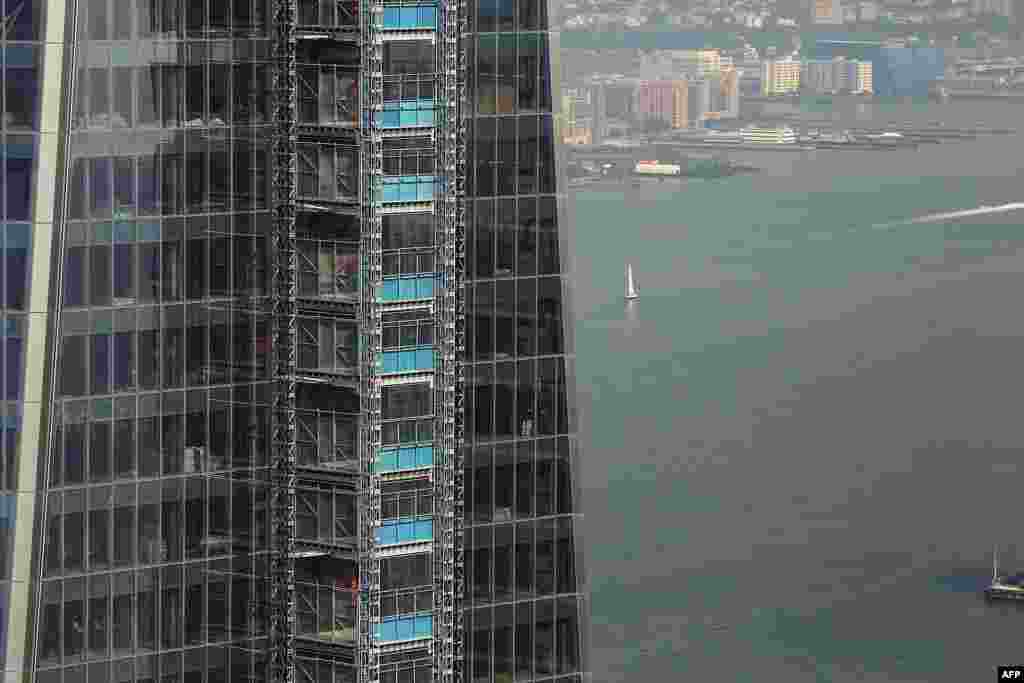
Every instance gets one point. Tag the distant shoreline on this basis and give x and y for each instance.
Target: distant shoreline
(634, 179)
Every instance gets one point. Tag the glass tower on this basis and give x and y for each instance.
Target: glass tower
(286, 344)
(525, 608)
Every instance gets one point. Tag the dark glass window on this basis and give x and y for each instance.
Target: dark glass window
(15, 264)
(408, 57)
(403, 572)
(20, 92)
(17, 170)
(26, 19)
(406, 401)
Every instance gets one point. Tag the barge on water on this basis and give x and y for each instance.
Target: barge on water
(1004, 587)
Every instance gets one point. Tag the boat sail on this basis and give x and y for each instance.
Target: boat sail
(631, 292)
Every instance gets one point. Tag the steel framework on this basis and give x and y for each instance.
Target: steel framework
(447, 142)
(449, 234)
(282, 579)
(371, 176)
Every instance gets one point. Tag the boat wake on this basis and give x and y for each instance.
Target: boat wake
(983, 210)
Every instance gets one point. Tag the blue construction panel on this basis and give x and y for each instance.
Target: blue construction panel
(424, 358)
(391, 192)
(405, 627)
(405, 458)
(390, 291)
(408, 188)
(417, 112)
(388, 118)
(407, 288)
(425, 189)
(392, 17)
(425, 288)
(424, 626)
(408, 117)
(426, 17)
(409, 18)
(407, 191)
(387, 460)
(398, 531)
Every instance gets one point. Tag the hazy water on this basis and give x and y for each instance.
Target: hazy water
(803, 441)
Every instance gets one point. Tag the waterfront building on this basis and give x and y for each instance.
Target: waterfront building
(836, 75)
(864, 81)
(699, 62)
(288, 364)
(827, 12)
(664, 101)
(780, 76)
(895, 71)
(730, 93)
(820, 76)
(578, 135)
(698, 102)
(782, 135)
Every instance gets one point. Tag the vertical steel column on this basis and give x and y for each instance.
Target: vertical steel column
(371, 167)
(448, 474)
(458, 115)
(282, 579)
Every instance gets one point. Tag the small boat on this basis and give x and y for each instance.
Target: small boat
(631, 293)
(1004, 587)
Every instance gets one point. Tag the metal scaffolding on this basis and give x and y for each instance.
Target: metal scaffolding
(282, 580)
(330, 286)
(449, 230)
(371, 176)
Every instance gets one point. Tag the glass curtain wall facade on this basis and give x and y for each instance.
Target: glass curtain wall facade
(138, 358)
(31, 54)
(154, 526)
(525, 600)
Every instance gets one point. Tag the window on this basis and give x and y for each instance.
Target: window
(19, 97)
(409, 57)
(407, 401)
(400, 572)
(408, 262)
(403, 231)
(17, 170)
(408, 333)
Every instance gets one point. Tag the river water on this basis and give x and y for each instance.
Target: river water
(805, 438)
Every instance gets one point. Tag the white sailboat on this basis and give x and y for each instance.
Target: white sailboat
(631, 293)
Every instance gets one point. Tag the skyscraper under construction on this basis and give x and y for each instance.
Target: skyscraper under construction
(286, 349)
